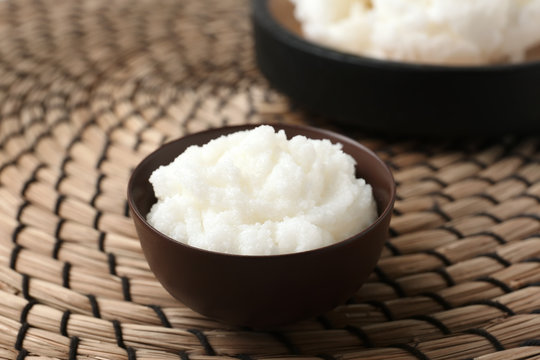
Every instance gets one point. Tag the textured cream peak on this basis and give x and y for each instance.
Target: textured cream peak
(257, 193)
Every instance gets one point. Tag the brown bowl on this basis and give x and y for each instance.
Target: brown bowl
(262, 291)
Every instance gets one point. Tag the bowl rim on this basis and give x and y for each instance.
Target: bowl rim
(264, 17)
(135, 211)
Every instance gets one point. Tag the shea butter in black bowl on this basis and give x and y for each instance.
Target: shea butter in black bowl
(394, 97)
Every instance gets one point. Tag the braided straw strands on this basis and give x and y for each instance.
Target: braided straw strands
(88, 88)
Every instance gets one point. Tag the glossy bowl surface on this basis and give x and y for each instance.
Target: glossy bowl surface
(262, 291)
(394, 97)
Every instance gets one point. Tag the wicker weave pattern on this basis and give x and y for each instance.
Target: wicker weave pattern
(88, 88)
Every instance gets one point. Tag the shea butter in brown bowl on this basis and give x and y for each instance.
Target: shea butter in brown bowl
(262, 291)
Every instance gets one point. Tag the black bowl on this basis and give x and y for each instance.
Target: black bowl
(393, 97)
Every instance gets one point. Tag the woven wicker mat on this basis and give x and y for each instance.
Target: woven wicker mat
(87, 88)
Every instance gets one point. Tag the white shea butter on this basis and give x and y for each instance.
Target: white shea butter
(426, 31)
(256, 193)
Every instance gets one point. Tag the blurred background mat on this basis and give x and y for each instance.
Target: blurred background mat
(88, 88)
